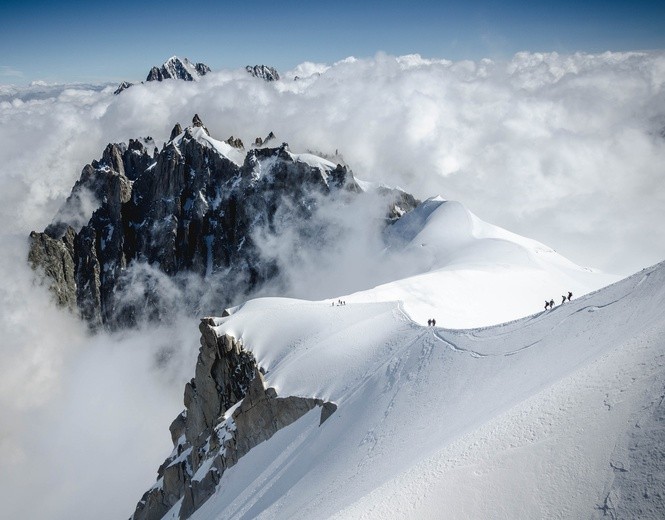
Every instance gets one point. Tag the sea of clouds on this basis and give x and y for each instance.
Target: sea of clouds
(566, 149)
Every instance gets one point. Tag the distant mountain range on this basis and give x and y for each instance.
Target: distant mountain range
(185, 70)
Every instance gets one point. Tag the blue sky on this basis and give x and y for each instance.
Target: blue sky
(110, 41)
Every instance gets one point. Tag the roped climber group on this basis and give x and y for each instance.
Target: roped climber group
(431, 323)
(550, 304)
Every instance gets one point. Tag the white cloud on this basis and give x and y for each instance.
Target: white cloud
(568, 150)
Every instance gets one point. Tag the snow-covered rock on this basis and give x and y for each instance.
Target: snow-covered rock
(173, 68)
(178, 68)
(263, 72)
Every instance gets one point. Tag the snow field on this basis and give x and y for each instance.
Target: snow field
(515, 421)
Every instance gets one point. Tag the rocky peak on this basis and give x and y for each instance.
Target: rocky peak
(123, 86)
(264, 72)
(262, 141)
(197, 123)
(196, 120)
(176, 68)
(202, 69)
(194, 208)
(173, 68)
(236, 142)
(112, 158)
(228, 411)
(177, 130)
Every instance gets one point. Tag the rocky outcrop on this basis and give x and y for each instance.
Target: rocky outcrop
(236, 142)
(263, 72)
(400, 203)
(228, 411)
(55, 256)
(175, 132)
(192, 209)
(197, 123)
(262, 141)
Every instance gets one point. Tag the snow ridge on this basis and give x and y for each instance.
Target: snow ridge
(531, 419)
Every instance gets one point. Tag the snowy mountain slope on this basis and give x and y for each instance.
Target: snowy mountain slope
(467, 273)
(531, 419)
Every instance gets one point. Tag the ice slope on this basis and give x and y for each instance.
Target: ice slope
(531, 419)
(465, 272)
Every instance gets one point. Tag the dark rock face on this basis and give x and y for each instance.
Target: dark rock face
(56, 258)
(186, 210)
(176, 68)
(264, 72)
(177, 130)
(123, 86)
(207, 439)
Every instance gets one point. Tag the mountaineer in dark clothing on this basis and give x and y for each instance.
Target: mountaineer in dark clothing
(570, 295)
(547, 305)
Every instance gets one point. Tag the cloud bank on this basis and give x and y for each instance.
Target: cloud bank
(569, 150)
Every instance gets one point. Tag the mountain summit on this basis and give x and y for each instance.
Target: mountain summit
(177, 68)
(173, 68)
(263, 72)
(197, 209)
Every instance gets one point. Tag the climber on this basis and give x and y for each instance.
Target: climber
(429, 323)
(433, 322)
(563, 300)
(570, 295)
(552, 304)
(547, 305)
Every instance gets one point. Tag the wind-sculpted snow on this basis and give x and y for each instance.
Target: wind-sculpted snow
(529, 419)
(464, 272)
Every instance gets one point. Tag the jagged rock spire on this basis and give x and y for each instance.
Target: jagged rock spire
(197, 123)
(177, 130)
(259, 141)
(236, 142)
(123, 86)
